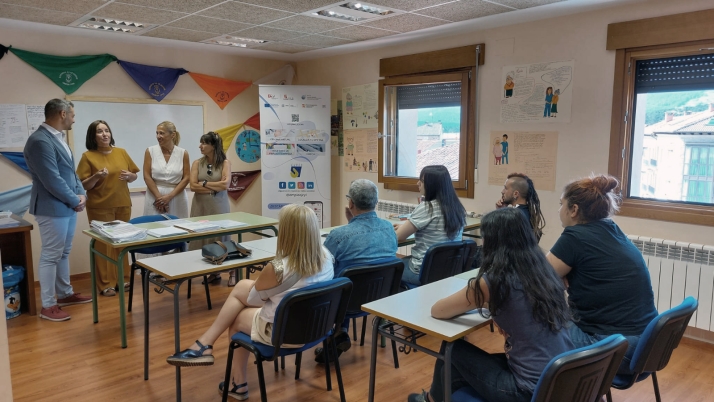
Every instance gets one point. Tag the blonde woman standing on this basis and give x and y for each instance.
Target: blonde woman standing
(166, 173)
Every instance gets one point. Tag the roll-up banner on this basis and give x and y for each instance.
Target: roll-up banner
(295, 148)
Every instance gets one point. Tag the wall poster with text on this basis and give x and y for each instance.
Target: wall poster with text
(359, 117)
(534, 153)
(537, 93)
(295, 148)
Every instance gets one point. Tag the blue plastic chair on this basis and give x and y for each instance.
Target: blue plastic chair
(445, 260)
(656, 345)
(579, 375)
(180, 246)
(306, 317)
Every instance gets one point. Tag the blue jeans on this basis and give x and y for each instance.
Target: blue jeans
(581, 339)
(408, 275)
(487, 373)
(56, 233)
(504, 159)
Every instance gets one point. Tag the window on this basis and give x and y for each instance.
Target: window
(662, 135)
(427, 109)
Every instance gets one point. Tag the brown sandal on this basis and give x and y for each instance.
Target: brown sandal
(108, 292)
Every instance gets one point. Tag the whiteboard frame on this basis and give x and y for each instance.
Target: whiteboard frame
(70, 133)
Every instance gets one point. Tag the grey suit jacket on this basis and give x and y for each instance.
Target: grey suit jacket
(55, 185)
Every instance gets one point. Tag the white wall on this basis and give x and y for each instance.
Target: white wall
(22, 84)
(583, 143)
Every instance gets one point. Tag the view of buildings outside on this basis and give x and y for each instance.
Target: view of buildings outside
(673, 146)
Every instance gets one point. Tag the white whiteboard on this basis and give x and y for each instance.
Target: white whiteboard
(133, 124)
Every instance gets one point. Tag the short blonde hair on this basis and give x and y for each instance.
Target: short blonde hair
(171, 128)
(299, 240)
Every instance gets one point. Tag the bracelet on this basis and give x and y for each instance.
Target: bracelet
(204, 183)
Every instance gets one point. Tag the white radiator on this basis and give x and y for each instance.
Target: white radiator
(386, 208)
(678, 270)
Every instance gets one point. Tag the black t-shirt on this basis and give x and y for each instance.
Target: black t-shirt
(609, 281)
(526, 212)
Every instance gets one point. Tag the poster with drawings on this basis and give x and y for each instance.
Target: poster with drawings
(537, 93)
(360, 150)
(531, 152)
(360, 106)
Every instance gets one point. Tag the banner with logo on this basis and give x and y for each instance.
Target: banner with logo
(221, 90)
(295, 148)
(156, 81)
(240, 181)
(69, 73)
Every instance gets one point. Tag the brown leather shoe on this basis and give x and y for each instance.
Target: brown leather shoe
(76, 298)
(54, 313)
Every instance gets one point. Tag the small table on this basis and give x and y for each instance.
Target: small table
(412, 309)
(176, 269)
(254, 224)
(16, 248)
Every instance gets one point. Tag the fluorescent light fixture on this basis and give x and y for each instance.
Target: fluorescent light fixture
(233, 41)
(353, 12)
(340, 16)
(367, 8)
(111, 25)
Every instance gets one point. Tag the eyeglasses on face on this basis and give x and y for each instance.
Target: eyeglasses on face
(210, 172)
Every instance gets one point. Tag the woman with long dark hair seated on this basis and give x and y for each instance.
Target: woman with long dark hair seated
(439, 218)
(526, 300)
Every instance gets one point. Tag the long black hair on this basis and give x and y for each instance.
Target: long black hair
(215, 140)
(438, 186)
(512, 259)
(531, 196)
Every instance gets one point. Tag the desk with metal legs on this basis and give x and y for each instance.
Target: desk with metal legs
(254, 224)
(412, 309)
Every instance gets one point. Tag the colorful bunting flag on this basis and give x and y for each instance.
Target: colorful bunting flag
(156, 81)
(68, 72)
(240, 181)
(254, 121)
(17, 200)
(221, 90)
(3, 50)
(18, 158)
(283, 76)
(228, 133)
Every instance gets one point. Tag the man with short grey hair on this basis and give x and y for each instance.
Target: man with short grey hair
(57, 195)
(365, 240)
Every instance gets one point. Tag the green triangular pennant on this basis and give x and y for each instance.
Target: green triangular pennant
(69, 73)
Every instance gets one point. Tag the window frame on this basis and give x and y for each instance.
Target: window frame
(427, 68)
(661, 37)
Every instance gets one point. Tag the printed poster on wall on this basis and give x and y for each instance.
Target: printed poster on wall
(531, 152)
(295, 148)
(359, 124)
(360, 150)
(537, 93)
(13, 126)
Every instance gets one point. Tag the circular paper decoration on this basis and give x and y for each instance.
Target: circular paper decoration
(248, 146)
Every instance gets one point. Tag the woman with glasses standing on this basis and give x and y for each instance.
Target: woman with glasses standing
(166, 171)
(209, 180)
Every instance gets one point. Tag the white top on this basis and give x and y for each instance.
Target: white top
(166, 173)
(267, 312)
(59, 135)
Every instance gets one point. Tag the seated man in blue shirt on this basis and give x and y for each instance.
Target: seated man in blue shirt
(365, 240)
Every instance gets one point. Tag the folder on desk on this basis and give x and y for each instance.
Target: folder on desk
(166, 232)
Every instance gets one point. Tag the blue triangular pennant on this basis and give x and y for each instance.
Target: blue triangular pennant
(16, 200)
(156, 81)
(18, 158)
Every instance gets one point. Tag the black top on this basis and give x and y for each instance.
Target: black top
(609, 281)
(526, 212)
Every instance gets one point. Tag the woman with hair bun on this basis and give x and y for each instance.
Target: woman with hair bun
(166, 174)
(608, 281)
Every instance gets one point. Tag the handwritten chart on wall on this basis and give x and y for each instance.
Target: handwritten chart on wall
(537, 93)
(133, 124)
(531, 152)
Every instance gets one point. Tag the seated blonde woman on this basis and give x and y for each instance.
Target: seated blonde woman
(299, 253)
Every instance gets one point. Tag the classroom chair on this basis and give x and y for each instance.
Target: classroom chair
(445, 260)
(306, 317)
(180, 246)
(656, 345)
(579, 375)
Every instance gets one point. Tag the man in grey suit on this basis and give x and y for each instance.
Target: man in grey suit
(57, 196)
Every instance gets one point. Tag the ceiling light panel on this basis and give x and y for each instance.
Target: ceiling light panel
(112, 25)
(234, 41)
(353, 12)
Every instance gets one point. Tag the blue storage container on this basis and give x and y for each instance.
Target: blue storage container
(12, 275)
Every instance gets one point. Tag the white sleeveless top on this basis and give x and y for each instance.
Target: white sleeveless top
(166, 173)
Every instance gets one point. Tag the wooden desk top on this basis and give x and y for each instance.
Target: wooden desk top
(413, 309)
(24, 226)
(252, 221)
(191, 264)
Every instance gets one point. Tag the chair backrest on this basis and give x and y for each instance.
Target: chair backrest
(445, 260)
(473, 251)
(310, 313)
(156, 249)
(372, 282)
(661, 337)
(581, 375)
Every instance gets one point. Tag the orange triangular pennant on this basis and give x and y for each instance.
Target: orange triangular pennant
(221, 90)
(254, 121)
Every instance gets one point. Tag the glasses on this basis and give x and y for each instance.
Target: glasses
(209, 169)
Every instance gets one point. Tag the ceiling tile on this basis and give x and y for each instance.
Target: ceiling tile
(180, 34)
(295, 6)
(184, 6)
(408, 5)
(244, 13)
(303, 23)
(358, 32)
(319, 41)
(406, 23)
(270, 34)
(206, 24)
(36, 15)
(285, 47)
(521, 4)
(464, 10)
(67, 6)
(138, 14)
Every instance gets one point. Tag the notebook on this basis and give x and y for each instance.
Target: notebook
(166, 232)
